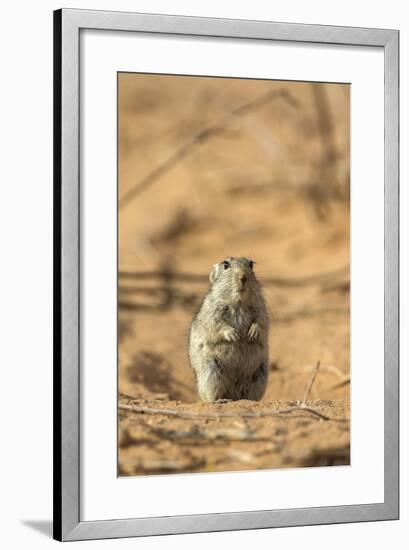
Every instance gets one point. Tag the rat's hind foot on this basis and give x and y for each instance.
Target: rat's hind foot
(223, 400)
(211, 381)
(258, 383)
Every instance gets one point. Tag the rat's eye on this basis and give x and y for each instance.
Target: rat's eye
(251, 264)
(226, 264)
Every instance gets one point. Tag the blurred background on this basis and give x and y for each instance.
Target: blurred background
(213, 167)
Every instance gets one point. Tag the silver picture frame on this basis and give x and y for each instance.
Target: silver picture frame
(68, 24)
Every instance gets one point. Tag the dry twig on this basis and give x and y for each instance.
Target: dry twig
(310, 384)
(307, 280)
(341, 384)
(200, 138)
(197, 415)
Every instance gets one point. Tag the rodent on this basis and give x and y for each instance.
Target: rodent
(228, 340)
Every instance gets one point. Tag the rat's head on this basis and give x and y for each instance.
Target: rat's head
(234, 277)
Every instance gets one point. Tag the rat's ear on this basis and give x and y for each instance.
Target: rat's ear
(213, 274)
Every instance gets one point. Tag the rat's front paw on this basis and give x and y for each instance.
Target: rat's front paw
(253, 333)
(231, 335)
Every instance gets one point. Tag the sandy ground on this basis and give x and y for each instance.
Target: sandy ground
(210, 168)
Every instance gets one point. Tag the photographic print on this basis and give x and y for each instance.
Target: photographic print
(233, 274)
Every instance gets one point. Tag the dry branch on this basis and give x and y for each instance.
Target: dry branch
(200, 138)
(284, 317)
(308, 280)
(154, 396)
(141, 409)
(310, 384)
(345, 382)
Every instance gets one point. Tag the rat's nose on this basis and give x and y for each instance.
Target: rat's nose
(243, 279)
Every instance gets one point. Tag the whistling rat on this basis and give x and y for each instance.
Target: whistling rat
(228, 344)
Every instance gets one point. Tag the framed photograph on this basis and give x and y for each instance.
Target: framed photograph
(226, 274)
